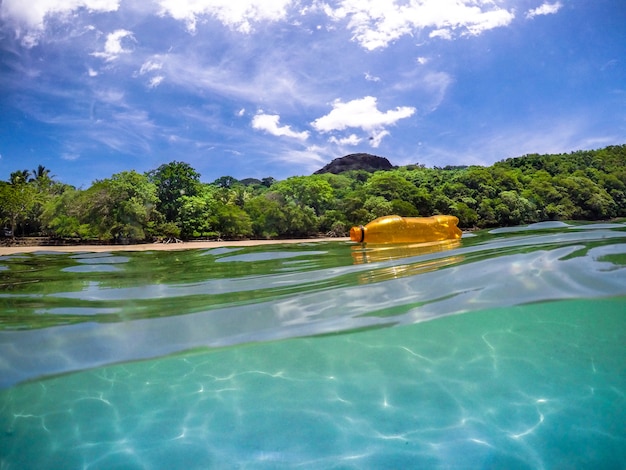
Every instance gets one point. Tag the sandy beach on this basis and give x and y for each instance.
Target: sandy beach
(11, 250)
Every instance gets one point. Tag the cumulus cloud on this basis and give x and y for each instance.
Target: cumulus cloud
(270, 124)
(113, 47)
(375, 24)
(34, 12)
(236, 14)
(364, 114)
(545, 9)
(361, 113)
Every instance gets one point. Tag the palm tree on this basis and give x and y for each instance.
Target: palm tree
(40, 173)
(41, 177)
(19, 177)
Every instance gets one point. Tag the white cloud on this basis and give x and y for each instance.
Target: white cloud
(150, 66)
(436, 84)
(361, 113)
(113, 47)
(364, 114)
(236, 14)
(309, 158)
(274, 82)
(129, 131)
(371, 78)
(352, 139)
(376, 23)
(155, 81)
(269, 123)
(441, 33)
(33, 13)
(377, 138)
(70, 157)
(545, 9)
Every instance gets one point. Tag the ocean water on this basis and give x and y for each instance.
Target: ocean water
(504, 350)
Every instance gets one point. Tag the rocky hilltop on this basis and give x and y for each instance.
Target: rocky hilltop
(356, 161)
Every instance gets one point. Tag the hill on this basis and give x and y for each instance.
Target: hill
(356, 161)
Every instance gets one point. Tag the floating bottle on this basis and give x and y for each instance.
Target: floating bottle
(396, 229)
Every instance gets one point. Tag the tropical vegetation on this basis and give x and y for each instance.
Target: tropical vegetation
(171, 202)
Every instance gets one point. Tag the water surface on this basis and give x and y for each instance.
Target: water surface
(502, 350)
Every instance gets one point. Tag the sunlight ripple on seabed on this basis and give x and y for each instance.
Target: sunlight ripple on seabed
(285, 361)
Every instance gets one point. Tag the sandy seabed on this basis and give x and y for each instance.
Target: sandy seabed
(11, 250)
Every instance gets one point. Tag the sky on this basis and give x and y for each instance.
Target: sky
(259, 88)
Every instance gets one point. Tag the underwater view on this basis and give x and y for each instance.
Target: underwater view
(502, 350)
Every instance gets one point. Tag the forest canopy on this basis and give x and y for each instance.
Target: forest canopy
(172, 202)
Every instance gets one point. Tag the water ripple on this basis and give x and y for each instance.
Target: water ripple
(93, 309)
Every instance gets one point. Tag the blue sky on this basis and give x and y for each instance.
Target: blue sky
(246, 88)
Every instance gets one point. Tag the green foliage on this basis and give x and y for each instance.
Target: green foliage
(173, 181)
(334, 223)
(468, 217)
(124, 205)
(514, 209)
(197, 217)
(225, 182)
(233, 222)
(301, 221)
(16, 202)
(377, 206)
(64, 215)
(390, 185)
(268, 218)
(306, 191)
(170, 201)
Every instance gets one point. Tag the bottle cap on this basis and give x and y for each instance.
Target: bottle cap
(357, 234)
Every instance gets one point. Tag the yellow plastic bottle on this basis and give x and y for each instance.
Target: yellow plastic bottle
(396, 229)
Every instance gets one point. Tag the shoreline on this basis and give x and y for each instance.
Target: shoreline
(13, 250)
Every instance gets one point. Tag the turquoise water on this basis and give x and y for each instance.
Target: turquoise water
(503, 350)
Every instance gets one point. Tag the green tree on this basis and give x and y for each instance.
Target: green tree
(377, 206)
(267, 216)
(312, 191)
(334, 223)
(233, 222)
(198, 214)
(173, 181)
(391, 185)
(122, 207)
(301, 221)
(514, 209)
(19, 177)
(467, 216)
(403, 208)
(591, 201)
(16, 202)
(225, 182)
(42, 179)
(64, 215)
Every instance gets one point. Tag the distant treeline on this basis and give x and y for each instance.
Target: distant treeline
(172, 202)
